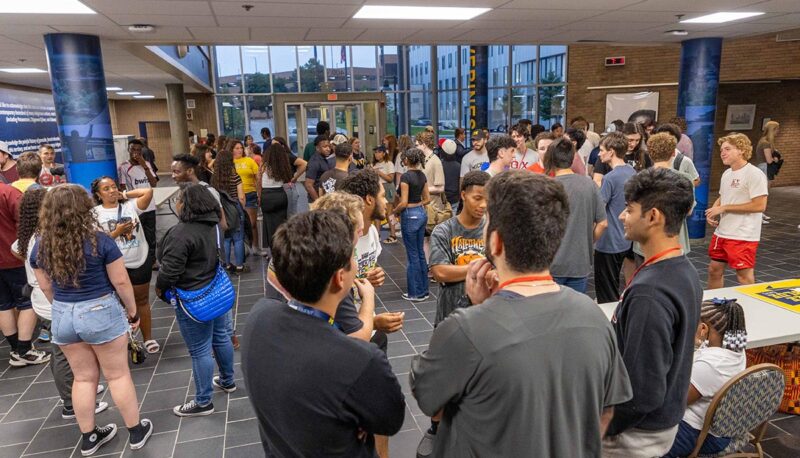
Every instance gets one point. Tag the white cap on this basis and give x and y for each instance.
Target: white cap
(449, 147)
(4, 148)
(338, 139)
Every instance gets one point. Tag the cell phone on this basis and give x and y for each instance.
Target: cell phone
(125, 219)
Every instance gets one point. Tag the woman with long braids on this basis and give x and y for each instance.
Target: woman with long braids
(22, 247)
(82, 273)
(720, 343)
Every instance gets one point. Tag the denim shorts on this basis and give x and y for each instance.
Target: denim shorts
(95, 322)
(251, 200)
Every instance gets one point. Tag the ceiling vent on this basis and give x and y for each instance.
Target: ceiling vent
(140, 28)
(788, 35)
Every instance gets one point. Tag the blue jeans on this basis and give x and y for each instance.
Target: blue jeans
(686, 441)
(236, 242)
(201, 339)
(576, 283)
(413, 222)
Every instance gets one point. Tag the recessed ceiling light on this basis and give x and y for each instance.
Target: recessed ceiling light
(144, 96)
(679, 33)
(46, 7)
(23, 70)
(113, 88)
(718, 18)
(439, 13)
(129, 93)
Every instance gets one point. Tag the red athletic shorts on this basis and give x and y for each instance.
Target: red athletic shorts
(739, 254)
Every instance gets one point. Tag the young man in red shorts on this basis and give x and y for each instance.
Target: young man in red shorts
(737, 213)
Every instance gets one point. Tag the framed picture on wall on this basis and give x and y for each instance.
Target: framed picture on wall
(764, 122)
(740, 117)
(632, 107)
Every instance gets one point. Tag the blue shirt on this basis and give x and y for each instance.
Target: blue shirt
(93, 280)
(613, 193)
(318, 165)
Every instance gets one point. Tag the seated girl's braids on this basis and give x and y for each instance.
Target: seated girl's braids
(726, 316)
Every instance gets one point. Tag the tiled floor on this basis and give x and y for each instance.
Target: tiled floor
(31, 425)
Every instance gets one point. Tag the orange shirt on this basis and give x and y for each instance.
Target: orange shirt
(536, 168)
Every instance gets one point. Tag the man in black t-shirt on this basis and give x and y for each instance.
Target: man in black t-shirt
(656, 320)
(316, 391)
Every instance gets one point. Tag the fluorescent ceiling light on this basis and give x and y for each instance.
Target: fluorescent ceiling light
(113, 88)
(144, 96)
(23, 70)
(129, 93)
(439, 13)
(45, 7)
(719, 18)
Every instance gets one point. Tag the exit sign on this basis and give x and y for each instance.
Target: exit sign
(615, 61)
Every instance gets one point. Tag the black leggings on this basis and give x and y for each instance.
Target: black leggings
(274, 206)
(606, 276)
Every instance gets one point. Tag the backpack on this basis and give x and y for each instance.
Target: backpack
(231, 211)
(678, 160)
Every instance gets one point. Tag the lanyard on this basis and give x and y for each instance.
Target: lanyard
(524, 280)
(311, 311)
(650, 261)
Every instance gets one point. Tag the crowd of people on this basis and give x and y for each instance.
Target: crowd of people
(511, 229)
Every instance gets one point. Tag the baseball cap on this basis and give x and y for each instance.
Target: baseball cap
(338, 139)
(478, 134)
(611, 128)
(441, 140)
(4, 148)
(449, 147)
(379, 148)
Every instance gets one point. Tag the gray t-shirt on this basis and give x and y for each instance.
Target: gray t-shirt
(475, 160)
(686, 167)
(613, 193)
(453, 244)
(574, 256)
(521, 376)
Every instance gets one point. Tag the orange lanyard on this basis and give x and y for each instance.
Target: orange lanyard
(650, 261)
(524, 279)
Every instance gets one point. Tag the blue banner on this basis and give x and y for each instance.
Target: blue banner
(697, 102)
(28, 119)
(79, 93)
(478, 87)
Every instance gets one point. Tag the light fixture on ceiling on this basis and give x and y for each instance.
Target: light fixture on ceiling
(129, 93)
(719, 18)
(113, 88)
(45, 7)
(140, 28)
(144, 96)
(439, 13)
(677, 33)
(22, 70)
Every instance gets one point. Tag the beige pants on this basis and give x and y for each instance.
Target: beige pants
(639, 443)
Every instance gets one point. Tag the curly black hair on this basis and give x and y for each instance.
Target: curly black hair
(196, 202)
(29, 207)
(665, 190)
(95, 188)
(363, 183)
(414, 156)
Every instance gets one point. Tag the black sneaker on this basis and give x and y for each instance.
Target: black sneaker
(226, 388)
(30, 358)
(101, 435)
(68, 413)
(192, 409)
(140, 435)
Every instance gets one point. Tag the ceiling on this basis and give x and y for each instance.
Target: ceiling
(320, 22)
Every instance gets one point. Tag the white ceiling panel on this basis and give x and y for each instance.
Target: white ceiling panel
(163, 20)
(277, 35)
(691, 6)
(538, 14)
(260, 22)
(304, 10)
(330, 35)
(386, 35)
(566, 5)
(221, 34)
(175, 8)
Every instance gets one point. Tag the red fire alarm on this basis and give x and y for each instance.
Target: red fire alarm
(615, 61)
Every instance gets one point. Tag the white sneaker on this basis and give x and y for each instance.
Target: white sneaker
(764, 216)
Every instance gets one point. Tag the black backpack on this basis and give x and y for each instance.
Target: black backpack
(231, 211)
(678, 160)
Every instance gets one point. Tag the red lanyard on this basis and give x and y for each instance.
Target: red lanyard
(524, 279)
(650, 261)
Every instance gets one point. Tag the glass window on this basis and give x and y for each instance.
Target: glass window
(551, 105)
(229, 69)
(523, 104)
(312, 69)
(255, 60)
(448, 112)
(421, 55)
(450, 59)
(365, 68)
(498, 107)
(231, 115)
(389, 67)
(420, 110)
(524, 61)
(284, 68)
(259, 114)
(552, 64)
(337, 64)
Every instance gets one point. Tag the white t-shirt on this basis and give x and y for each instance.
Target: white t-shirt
(133, 246)
(368, 248)
(523, 161)
(398, 165)
(386, 168)
(134, 177)
(41, 306)
(712, 368)
(740, 187)
(475, 160)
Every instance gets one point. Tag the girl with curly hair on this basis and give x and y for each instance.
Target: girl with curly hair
(414, 195)
(82, 273)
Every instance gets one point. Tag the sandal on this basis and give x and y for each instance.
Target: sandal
(152, 346)
(389, 240)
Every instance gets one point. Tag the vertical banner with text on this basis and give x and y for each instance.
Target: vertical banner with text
(27, 120)
(478, 89)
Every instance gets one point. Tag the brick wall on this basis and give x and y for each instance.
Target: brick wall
(754, 58)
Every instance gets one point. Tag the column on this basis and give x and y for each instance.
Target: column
(79, 93)
(478, 87)
(178, 128)
(697, 102)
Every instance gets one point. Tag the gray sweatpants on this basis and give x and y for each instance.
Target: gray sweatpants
(62, 373)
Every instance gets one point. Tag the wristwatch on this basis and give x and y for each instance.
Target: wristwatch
(465, 301)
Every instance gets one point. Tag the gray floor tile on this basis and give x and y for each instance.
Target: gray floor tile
(163, 399)
(30, 410)
(195, 428)
(158, 446)
(242, 433)
(206, 448)
(19, 432)
(247, 451)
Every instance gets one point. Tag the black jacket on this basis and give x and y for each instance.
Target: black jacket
(188, 254)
